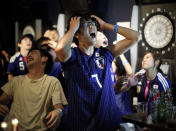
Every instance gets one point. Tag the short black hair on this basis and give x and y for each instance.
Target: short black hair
(42, 39)
(40, 44)
(49, 63)
(155, 57)
(50, 28)
(30, 36)
(84, 17)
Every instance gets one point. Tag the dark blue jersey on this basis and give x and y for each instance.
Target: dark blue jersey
(17, 65)
(123, 98)
(92, 105)
(160, 81)
(57, 72)
(124, 103)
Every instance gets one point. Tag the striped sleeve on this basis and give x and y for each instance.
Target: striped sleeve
(164, 82)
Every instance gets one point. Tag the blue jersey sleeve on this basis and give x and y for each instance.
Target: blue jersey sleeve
(11, 67)
(72, 59)
(164, 83)
(12, 64)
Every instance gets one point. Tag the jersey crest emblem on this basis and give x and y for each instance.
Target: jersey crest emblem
(100, 62)
(155, 86)
(21, 59)
(97, 54)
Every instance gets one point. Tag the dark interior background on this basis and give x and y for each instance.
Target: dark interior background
(48, 10)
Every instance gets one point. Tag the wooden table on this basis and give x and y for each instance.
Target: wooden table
(143, 120)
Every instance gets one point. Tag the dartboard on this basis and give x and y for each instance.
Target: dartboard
(158, 31)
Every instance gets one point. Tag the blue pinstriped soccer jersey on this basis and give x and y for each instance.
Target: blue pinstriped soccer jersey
(122, 99)
(56, 70)
(17, 65)
(91, 97)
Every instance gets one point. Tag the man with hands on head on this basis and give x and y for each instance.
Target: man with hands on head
(91, 97)
(38, 99)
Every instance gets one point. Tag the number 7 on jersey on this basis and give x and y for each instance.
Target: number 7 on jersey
(96, 77)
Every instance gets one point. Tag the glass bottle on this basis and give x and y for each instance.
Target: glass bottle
(161, 108)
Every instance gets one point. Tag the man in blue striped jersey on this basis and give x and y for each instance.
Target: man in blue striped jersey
(91, 97)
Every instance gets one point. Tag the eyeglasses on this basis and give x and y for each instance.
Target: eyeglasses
(88, 23)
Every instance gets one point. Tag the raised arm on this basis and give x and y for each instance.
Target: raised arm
(63, 48)
(126, 64)
(131, 37)
(125, 82)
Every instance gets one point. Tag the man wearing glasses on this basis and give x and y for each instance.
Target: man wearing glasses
(92, 105)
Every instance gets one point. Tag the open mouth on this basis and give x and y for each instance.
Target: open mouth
(105, 42)
(92, 35)
(29, 58)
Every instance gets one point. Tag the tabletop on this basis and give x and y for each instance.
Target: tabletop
(142, 119)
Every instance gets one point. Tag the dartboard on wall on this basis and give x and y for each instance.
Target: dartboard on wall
(157, 25)
(157, 28)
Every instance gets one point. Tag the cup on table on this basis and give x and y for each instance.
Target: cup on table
(173, 112)
(142, 107)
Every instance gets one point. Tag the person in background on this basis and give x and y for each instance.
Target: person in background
(52, 34)
(4, 60)
(123, 75)
(151, 76)
(102, 40)
(2, 76)
(5, 54)
(38, 99)
(87, 73)
(17, 64)
(118, 78)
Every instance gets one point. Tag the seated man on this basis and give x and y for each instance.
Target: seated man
(56, 71)
(36, 96)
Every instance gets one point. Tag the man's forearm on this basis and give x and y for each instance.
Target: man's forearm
(126, 32)
(59, 106)
(63, 48)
